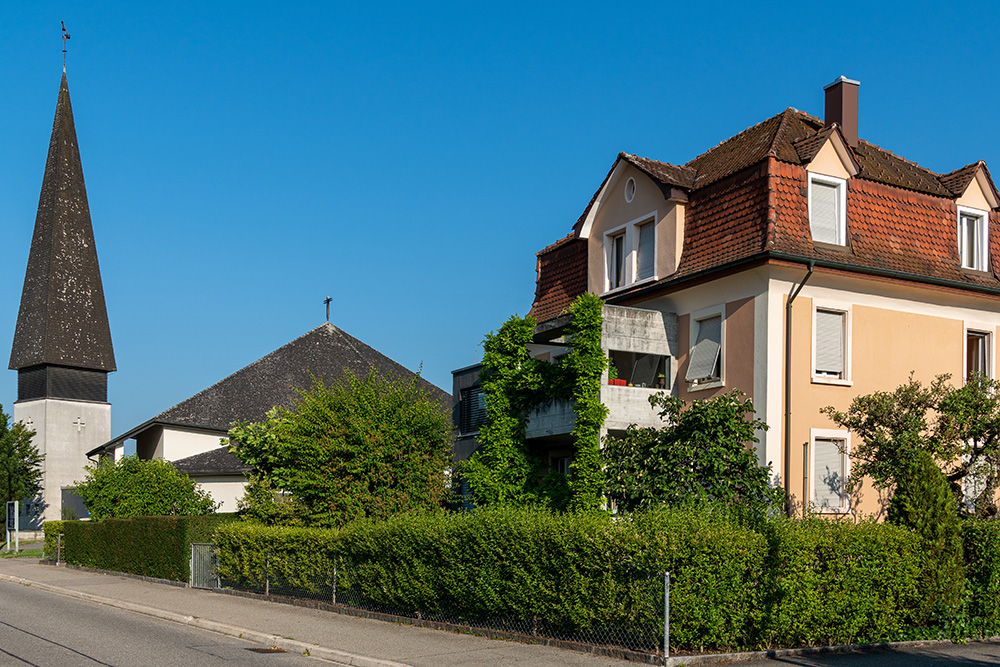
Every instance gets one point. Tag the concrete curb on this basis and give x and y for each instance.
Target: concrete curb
(289, 645)
(716, 658)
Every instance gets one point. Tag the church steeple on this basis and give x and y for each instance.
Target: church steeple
(63, 320)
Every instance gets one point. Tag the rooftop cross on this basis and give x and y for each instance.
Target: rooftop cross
(327, 301)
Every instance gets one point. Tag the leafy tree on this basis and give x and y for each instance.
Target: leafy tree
(359, 447)
(959, 428)
(262, 504)
(20, 461)
(703, 454)
(136, 487)
(924, 503)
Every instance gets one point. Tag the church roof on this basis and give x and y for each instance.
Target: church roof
(218, 461)
(63, 319)
(249, 393)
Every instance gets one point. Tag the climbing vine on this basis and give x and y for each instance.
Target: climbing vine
(504, 471)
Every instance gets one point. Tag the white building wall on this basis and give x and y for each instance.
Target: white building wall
(225, 490)
(176, 444)
(65, 431)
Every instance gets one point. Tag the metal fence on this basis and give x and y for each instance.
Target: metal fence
(636, 618)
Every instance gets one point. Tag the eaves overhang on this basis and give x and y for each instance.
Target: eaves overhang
(759, 259)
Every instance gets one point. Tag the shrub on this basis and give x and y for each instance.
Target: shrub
(52, 530)
(702, 455)
(982, 562)
(839, 583)
(371, 446)
(150, 546)
(137, 487)
(923, 502)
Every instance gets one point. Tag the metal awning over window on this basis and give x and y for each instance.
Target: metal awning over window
(705, 356)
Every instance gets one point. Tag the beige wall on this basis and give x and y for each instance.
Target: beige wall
(613, 211)
(886, 346)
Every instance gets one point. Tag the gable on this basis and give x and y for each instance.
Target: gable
(833, 159)
(978, 194)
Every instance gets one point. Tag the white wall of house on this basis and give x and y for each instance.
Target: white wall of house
(225, 489)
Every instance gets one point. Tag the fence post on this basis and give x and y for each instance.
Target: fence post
(334, 584)
(58, 547)
(666, 617)
(267, 573)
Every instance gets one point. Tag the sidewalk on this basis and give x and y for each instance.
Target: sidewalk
(336, 637)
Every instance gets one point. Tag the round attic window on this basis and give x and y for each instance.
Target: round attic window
(629, 189)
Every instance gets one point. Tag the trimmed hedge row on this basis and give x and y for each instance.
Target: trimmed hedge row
(981, 541)
(787, 583)
(151, 546)
(52, 530)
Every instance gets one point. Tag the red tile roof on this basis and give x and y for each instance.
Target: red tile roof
(747, 198)
(561, 276)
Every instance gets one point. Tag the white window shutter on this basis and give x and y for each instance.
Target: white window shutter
(824, 219)
(705, 355)
(646, 252)
(828, 473)
(830, 342)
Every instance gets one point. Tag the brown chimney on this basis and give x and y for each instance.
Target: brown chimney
(842, 107)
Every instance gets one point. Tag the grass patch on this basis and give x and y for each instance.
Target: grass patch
(23, 553)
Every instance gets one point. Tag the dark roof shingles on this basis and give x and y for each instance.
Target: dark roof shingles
(249, 393)
(63, 319)
(218, 461)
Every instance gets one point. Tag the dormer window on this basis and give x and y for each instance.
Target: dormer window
(630, 253)
(828, 209)
(973, 237)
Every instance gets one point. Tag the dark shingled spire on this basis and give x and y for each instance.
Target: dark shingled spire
(63, 320)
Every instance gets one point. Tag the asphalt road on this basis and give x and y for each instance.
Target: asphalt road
(973, 654)
(45, 629)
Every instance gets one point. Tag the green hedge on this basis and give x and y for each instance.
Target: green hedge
(734, 586)
(982, 566)
(839, 583)
(151, 546)
(52, 530)
(302, 558)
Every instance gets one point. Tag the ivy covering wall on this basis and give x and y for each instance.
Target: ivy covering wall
(504, 470)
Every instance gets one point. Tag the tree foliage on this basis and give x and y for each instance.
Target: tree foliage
(504, 471)
(20, 461)
(959, 428)
(136, 487)
(924, 503)
(702, 454)
(359, 447)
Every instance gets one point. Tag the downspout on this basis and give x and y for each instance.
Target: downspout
(787, 473)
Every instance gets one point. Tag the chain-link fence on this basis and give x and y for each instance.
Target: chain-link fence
(634, 607)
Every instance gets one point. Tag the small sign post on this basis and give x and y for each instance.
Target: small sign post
(12, 525)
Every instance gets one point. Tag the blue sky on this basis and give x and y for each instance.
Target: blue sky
(246, 159)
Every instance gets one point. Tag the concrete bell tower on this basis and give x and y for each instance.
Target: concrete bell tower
(62, 348)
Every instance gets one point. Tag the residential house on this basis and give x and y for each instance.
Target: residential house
(793, 261)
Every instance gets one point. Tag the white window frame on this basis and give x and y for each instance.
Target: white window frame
(631, 256)
(696, 317)
(986, 330)
(981, 259)
(845, 309)
(829, 434)
(841, 186)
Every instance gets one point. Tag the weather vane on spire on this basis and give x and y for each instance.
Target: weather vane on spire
(65, 36)
(327, 301)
